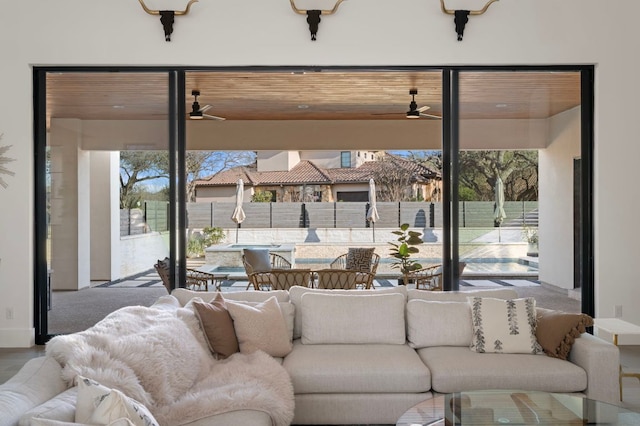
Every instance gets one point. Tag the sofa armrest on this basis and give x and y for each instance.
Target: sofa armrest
(601, 360)
(39, 380)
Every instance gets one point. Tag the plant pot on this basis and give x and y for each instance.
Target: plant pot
(532, 249)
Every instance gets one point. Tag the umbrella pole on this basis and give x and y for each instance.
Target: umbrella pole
(374, 231)
(237, 231)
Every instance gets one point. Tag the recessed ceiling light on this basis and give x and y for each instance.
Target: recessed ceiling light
(501, 105)
(303, 106)
(118, 107)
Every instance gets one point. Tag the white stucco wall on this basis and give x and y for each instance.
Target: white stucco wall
(555, 174)
(374, 32)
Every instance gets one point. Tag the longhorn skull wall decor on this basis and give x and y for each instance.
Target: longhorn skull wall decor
(166, 17)
(462, 16)
(313, 16)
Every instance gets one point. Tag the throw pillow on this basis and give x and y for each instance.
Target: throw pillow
(97, 404)
(504, 326)
(359, 259)
(260, 327)
(556, 331)
(217, 326)
(259, 259)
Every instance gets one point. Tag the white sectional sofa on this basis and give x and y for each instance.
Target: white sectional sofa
(362, 357)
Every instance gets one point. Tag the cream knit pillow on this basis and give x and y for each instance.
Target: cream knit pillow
(260, 327)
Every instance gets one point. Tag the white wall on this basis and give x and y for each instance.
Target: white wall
(374, 32)
(555, 174)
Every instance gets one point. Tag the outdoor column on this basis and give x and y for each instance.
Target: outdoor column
(70, 206)
(105, 216)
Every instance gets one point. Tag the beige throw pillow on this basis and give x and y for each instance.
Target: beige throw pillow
(260, 327)
(556, 331)
(504, 326)
(217, 326)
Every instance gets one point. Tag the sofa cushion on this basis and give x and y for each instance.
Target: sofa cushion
(359, 259)
(296, 292)
(217, 326)
(504, 326)
(61, 407)
(556, 331)
(461, 296)
(356, 369)
(288, 311)
(438, 323)
(97, 404)
(184, 295)
(260, 327)
(456, 369)
(348, 318)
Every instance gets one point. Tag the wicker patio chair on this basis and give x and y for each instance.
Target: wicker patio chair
(364, 279)
(343, 279)
(280, 279)
(276, 262)
(429, 278)
(163, 270)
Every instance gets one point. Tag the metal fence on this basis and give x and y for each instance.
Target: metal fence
(353, 214)
(153, 216)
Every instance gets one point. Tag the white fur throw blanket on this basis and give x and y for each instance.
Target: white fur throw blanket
(159, 357)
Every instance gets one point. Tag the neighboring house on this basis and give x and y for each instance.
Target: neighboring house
(320, 176)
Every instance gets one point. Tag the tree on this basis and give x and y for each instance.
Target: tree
(392, 180)
(479, 171)
(137, 167)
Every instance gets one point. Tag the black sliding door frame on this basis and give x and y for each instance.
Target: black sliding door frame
(177, 186)
(177, 153)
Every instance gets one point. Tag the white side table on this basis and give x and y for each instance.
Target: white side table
(621, 333)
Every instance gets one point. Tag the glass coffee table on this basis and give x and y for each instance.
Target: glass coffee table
(507, 407)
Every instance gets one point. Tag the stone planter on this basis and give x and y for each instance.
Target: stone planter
(532, 249)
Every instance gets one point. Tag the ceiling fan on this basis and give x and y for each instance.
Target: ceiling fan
(414, 111)
(197, 113)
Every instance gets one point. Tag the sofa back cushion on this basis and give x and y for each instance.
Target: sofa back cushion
(184, 295)
(461, 296)
(353, 319)
(296, 293)
(438, 323)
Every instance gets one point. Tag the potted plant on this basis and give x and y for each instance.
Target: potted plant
(531, 235)
(403, 249)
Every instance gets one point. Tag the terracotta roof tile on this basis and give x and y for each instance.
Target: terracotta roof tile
(307, 172)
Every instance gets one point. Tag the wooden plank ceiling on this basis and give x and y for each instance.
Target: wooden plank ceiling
(310, 95)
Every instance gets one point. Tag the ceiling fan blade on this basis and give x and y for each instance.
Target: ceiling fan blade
(213, 117)
(204, 108)
(423, 108)
(430, 116)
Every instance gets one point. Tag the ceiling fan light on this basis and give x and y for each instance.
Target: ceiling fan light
(413, 114)
(195, 115)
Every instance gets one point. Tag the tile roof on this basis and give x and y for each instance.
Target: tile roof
(306, 172)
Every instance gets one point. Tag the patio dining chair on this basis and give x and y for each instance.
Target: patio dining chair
(280, 279)
(429, 278)
(362, 260)
(333, 279)
(195, 279)
(261, 260)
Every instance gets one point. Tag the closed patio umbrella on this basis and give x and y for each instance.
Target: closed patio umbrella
(238, 215)
(372, 213)
(499, 214)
